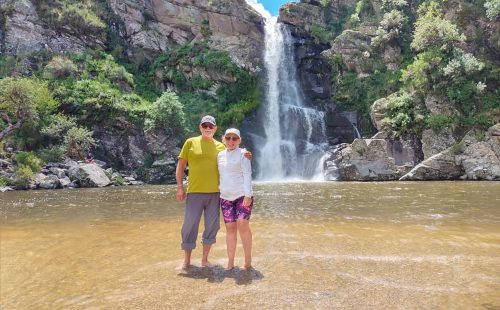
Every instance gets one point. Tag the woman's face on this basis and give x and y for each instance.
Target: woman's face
(207, 130)
(232, 141)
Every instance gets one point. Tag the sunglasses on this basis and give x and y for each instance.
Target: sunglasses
(231, 138)
(207, 125)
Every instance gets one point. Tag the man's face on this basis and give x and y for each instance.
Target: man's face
(208, 130)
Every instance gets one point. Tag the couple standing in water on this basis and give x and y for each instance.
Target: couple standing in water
(220, 178)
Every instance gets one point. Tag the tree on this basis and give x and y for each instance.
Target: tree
(23, 100)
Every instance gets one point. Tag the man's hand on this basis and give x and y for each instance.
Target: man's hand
(247, 201)
(180, 195)
(247, 154)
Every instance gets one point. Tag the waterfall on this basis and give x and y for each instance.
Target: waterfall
(295, 133)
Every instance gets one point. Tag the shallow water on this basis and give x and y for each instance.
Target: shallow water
(316, 246)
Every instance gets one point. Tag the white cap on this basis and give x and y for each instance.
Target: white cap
(233, 130)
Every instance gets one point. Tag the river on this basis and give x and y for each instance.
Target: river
(428, 245)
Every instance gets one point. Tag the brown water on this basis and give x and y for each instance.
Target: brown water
(432, 245)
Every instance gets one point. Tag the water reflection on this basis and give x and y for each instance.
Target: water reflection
(316, 245)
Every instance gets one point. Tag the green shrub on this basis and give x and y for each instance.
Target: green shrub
(437, 121)
(458, 148)
(78, 141)
(119, 181)
(30, 160)
(167, 113)
(432, 30)
(403, 115)
(492, 8)
(4, 181)
(57, 127)
(23, 176)
(53, 154)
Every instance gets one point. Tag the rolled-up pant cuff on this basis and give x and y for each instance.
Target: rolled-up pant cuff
(208, 241)
(188, 246)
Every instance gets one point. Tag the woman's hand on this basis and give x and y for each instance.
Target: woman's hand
(247, 201)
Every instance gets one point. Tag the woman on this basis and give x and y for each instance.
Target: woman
(236, 197)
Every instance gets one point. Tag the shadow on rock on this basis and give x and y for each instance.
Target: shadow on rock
(217, 274)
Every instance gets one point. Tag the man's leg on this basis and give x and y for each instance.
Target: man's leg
(212, 225)
(189, 231)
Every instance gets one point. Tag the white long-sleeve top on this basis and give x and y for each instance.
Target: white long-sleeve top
(235, 172)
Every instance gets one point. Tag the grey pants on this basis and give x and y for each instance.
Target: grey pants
(196, 204)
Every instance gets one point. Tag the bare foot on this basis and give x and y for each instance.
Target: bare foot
(247, 266)
(185, 266)
(206, 264)
(229, 267)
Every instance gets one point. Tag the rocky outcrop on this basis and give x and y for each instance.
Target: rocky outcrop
(26, 32)
(439, 106)
(156, 25)
(436, 141)
(378, 112)
(303, 15)
(441, 166)
(364, 160)
(354, 47)
(476, 157)
(89, 175)
(130, 147)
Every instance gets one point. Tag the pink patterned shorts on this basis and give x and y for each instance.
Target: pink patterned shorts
(234, 210)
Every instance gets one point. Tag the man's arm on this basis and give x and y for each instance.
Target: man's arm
(179, 177)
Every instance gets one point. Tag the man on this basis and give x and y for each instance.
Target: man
(200, 153)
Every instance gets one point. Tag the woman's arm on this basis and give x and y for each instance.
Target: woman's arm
(246, 167)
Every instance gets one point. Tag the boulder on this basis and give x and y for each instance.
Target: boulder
(65, 182)
(50, 182)
(441, 166)
(89, 175)
(436, 141)
(378, 113)
(60, 173)
(162, 171)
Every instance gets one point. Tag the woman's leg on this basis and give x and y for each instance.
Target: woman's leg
(231, 239)
(246, 240)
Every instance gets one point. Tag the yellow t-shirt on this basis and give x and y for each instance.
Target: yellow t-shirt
(202, 160)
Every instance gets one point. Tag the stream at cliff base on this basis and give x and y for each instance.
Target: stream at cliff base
(394, 245)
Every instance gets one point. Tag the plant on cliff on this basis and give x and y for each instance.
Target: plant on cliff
(492, 8)
(79, 16)
(29, 159)
(432, 30)
(78, 141)
(22, 102)
(59, 67)
(23, 176)
(166, 113)
(403, 116)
